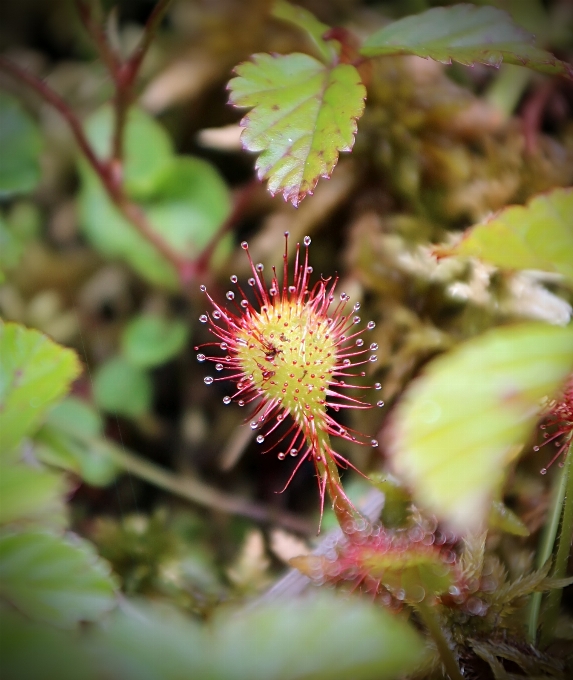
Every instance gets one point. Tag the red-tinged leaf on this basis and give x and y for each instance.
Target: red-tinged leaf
(304, 114)
(467, 34)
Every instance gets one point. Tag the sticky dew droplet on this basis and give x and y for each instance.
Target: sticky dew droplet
(201, 358)
(234, 279)
(203, 318)
(377, 386)
(230, 295)
(370, 325)
(227, 400)
(260, 439)
(208, 380)
(202, 288)
(244, 245)
(380, 403)
(307, 240)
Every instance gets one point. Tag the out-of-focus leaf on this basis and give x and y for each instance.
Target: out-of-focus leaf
(19, 226)
(28, 493)
(315, 29)
(21, 144)
(501, 517)
(54, 579)
(187, 206)
(88, 457)
(463, 33)
(72, 440)
(147, 147)
(32, 651)
(304, 114)
(150, 340)
(323, 638)
(122, 388)
(536, 236)
(458, 425)
(146, 642)
(76, 417)
(34, 373)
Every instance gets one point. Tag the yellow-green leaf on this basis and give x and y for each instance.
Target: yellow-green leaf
(461, 422)
(304, 114)
(536, 236)
(34, 373)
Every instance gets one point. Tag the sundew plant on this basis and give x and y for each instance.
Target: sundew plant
(286, 351)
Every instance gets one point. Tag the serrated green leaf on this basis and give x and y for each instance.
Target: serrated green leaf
(34, 373)
(306, 21)
(501, 517)
(187, 206)
(466, 34)
(147, 147)
(459, 424)
(537, 236)
(334, 639)
(150, 340)
(21, 144)
(304, 114)
(29, 493)
(57, 580)
(122, 388)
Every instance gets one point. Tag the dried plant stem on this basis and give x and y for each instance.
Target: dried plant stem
(551, 610)
(434, 628)
(195, 491)
(546, 547)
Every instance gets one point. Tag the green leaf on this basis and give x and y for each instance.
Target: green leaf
(307, 22)
(76, 418)
(461, 422)
(21, 144)
(147, 147)
(122, 388)
(29, 493)
(32, 651)
(34, 373)
(323, 638)
(463, 33)
(537, 236)
(187, 206)
(150, 340)
(304, 114)
(501, 517)
(58, 580)
(145, 642)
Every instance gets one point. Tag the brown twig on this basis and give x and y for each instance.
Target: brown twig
(94, 29)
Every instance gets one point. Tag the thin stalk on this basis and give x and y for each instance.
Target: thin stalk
(551, 611)
(195, 491)
(432, 623)
(153, 22)
(349, 518)
(94, 29)
(546, 547)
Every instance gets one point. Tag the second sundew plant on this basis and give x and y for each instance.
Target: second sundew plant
(292, 353)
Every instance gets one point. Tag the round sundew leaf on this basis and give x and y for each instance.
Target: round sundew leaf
(466, 34)
(150, 340)
(536, 236)
(318, 638)
(122, 388)
(21, 144)
(34, 373)
(58, 580)
(147, 147)
(460, 423)
(304, 114)
(28, 493)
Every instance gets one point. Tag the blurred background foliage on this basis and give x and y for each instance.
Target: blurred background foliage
(160, 475)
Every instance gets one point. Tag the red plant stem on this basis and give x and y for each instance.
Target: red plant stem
(140, 51)
(54, 99)
(106, 171)
(97, 34)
